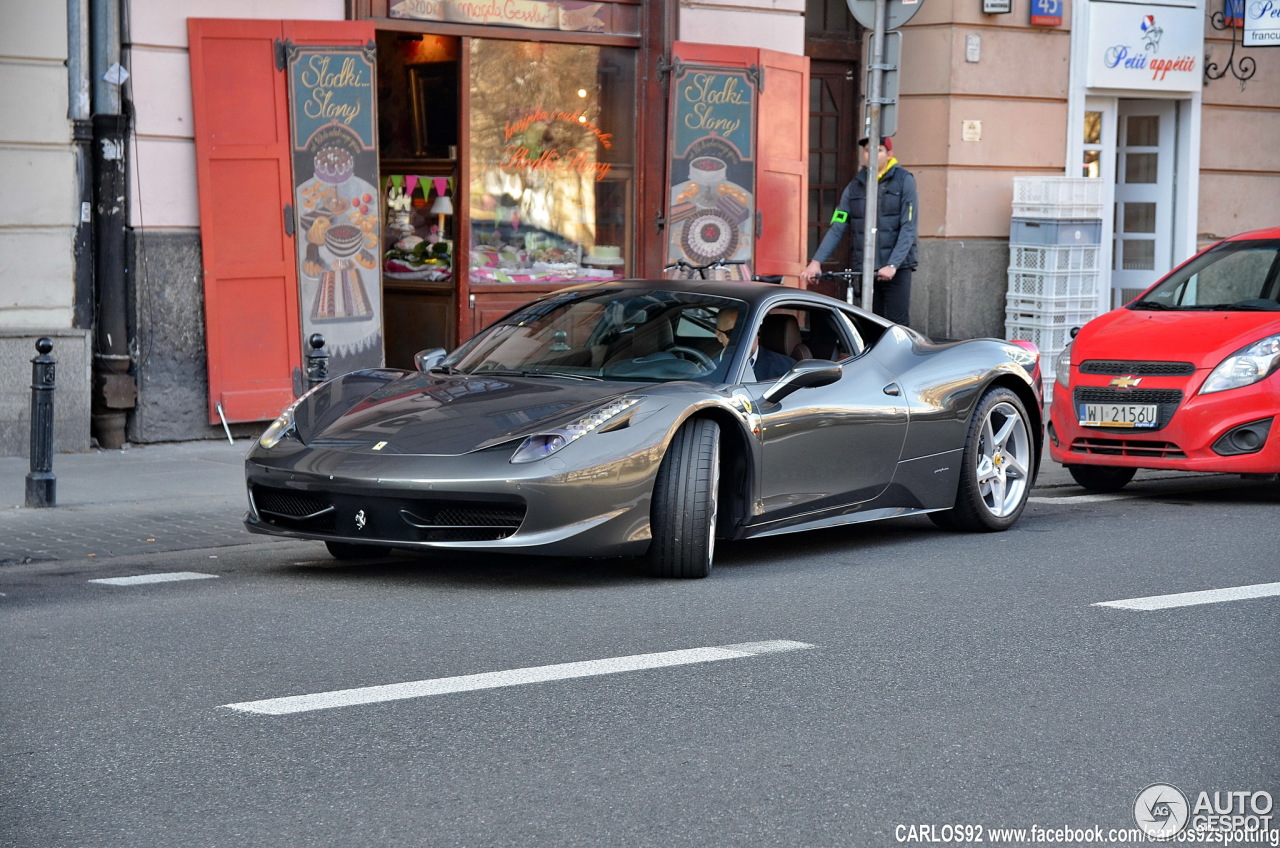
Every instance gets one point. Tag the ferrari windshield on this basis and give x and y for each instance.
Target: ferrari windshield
(635, 335)
(1234, 275)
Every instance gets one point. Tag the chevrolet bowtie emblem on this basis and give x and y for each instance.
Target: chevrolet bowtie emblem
(1125, 382)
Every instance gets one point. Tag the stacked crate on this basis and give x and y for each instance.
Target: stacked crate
(1055, 263)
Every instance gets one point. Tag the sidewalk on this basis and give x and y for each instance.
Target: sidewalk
(140, 499)
(150, 498)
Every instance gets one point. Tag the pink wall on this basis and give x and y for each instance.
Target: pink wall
(163, 193)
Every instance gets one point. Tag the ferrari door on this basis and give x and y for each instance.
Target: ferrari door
(833, 445)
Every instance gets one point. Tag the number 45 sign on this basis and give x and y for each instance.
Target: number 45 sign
(1046, 12)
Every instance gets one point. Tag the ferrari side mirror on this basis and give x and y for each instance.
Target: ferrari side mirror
(805, 374)
(425, 360)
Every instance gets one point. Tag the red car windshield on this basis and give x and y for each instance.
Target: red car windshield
(1233, 275)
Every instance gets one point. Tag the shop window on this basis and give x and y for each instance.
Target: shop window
(417, 96)
(552, 161)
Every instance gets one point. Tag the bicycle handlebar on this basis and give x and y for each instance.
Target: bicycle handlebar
(716, 263)
(848, 275)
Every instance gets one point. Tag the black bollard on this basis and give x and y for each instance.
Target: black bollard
(41, 483)
(317, 361)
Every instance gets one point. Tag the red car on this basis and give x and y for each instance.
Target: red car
(1183, 377)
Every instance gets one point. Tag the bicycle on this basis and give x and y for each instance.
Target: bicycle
(716, 265)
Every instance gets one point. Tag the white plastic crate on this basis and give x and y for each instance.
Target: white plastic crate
(1036, 304)
(1035, 231)
(1057, 197)
(1021, 317)
(1054, 283)
(1049, 336)
(1055, 257)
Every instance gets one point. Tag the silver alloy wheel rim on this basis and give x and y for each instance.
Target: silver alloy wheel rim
(1004, 460)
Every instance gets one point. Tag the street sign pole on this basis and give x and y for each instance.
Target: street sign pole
(874, 98)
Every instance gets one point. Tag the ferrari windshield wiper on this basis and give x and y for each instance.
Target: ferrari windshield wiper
(445, 369)
(566, 374)
(512, 372)
(1152, 304)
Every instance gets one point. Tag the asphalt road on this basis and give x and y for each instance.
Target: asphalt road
(963, 680)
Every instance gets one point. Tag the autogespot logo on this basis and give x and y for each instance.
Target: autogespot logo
(1161, 811)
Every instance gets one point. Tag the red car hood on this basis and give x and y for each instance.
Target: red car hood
(1203, 338)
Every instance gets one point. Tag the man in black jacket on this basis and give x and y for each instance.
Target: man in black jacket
(897, 229)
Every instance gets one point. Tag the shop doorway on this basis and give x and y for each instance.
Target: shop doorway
(1146, 152)
(418, 120)
(834, 125)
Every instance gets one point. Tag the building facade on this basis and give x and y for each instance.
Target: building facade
(195, 190)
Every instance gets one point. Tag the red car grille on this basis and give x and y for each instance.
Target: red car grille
(1107, 395)
(1119, 367)
(1127, 447)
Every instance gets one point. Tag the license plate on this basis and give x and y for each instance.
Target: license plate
(1119, 415)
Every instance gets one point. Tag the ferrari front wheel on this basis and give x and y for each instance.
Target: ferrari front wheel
(1100, 478)
(683, 512)
(995, 476)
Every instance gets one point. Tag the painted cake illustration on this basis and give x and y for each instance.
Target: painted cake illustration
(334, 165)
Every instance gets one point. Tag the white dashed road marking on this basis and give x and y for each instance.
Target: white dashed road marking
(513, 677)
(1188, 599)
(168, 577)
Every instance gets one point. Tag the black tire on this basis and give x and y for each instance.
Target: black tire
(1101, 478)
(996, 471)
(683, 512)
(350, 550)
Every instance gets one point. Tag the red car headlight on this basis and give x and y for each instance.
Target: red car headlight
(1245, 367)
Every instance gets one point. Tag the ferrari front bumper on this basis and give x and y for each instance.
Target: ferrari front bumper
(478, 502)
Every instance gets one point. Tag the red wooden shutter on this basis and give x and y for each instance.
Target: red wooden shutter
(241, 118)
(782, 165)
(241, 112)
(782, 145)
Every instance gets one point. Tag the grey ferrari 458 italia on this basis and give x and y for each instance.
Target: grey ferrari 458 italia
(652, 418)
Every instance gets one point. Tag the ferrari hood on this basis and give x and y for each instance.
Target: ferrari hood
(1203, 338)
(416, 413)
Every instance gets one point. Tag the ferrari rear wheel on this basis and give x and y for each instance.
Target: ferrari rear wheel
(683, 513)
(350, 550)
(1100, 478)
(995, 478)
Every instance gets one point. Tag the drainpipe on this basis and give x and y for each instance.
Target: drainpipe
(114, 389)
(79, 112)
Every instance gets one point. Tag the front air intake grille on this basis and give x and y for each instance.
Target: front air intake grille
(1128, 447)
(1106, 395)
(465, 523)
(1115, 367)
(383, 518)
(287, 508)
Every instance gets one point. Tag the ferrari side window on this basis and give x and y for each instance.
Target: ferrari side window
(831, 337)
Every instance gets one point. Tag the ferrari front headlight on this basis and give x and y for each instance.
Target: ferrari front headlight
(284, 423)
(542, 445)
(278, 429)
(1245, 367)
